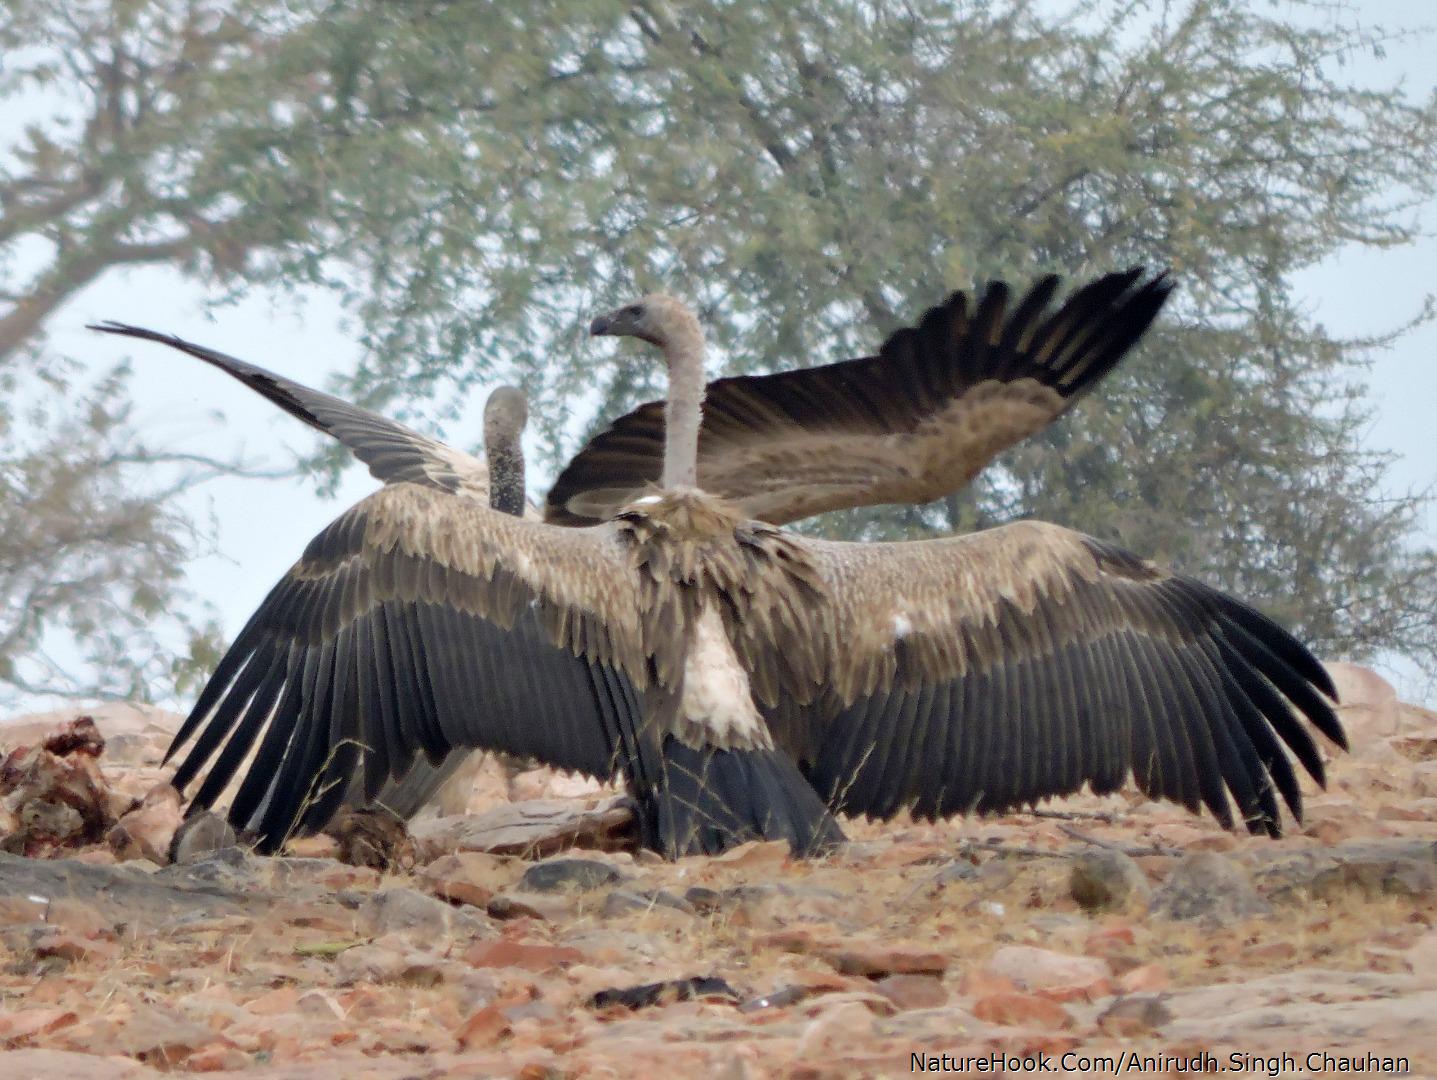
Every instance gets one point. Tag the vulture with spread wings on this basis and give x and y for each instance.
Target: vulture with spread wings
(748, 682)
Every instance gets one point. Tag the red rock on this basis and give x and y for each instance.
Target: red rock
(979, 982)
(217, 1058)
(1022, 1010)
(874, 959)
(1148, 977)
(913, 991)
(530, 957)
(1276, 951)
(1107, 940)
(75, 947)
(22, 1025)
(1092, 991)
(486, 1027)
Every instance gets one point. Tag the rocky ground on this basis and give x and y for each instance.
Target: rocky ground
(1111, 928)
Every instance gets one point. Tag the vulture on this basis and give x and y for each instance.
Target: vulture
(747, 682)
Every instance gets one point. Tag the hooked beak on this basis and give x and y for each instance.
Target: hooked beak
(599, 327)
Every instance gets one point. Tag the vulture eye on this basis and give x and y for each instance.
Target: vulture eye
(634, 311)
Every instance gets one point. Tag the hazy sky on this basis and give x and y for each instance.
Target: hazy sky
(263, 525)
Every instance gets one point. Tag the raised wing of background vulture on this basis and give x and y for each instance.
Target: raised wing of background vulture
(914, 423)
(739, 677)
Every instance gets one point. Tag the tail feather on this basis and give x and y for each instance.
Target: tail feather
(710, 800)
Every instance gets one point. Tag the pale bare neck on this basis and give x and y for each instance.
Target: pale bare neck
(683, 410)
(506, 473)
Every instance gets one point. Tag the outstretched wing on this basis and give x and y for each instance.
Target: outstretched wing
(421, 622)
(915, 422)
(987, 671)
(394, 453)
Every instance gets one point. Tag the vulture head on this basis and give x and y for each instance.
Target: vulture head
(505, 414)
(657, 318)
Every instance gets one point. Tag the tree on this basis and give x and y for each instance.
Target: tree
(477, 179)
(111, 171)
(93, 551)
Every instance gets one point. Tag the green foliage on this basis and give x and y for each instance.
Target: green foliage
(479, 178)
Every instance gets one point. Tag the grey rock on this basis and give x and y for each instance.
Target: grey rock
(1208, 887)
(957, 870)
(116, 892)
(198, 835)
(403, 910)
(569, 875)
(228, 868)
(1107, 880)
(1405, 868)
(704, 900)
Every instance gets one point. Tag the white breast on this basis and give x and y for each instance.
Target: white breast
(716, 698)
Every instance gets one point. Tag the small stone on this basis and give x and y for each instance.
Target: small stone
(198, 835)
(572, 875)
(1132, 1016)
(1022, 1010)
(704, 900)
(1209, 887)
(530, 957)
(1032, 968)
(217, 1058)
(320, 1004)
(1107, 880)
(913, 991)
(148, 831)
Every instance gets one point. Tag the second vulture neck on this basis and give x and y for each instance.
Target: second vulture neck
(506, 477)
(503, 429)
(683, 410)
